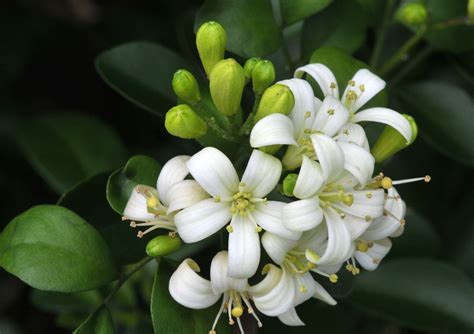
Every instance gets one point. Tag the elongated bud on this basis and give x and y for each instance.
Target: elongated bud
(289, 184)
(391, 141)
(186, 87)
(182, 121)
(227, 81)
(263, 76)
(412, 14)
(470, 10)
(249, 66)
(163, 245)
(276, 99)
(211, 39)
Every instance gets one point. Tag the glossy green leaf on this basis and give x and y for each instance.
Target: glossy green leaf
(66, 148)
(295, 10)
(139, 169)
(58, 302)
(423, 294)
(444, 114)
(99, 322)
(141, 72)
(341, 25)
(344, 67)
(52, 248)
(170, 317)
(250, 25)
(88, 199)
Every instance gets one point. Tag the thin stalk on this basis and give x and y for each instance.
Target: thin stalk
(212, 123)
(245, 129)
(374, 59)
(410, 66)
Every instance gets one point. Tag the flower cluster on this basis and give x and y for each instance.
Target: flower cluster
(335, 212)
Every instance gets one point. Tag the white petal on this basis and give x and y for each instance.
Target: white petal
(373, 84)
(268, 215)
(386, 116)
(244, 248)
(331, 116)
(304, 104)
(173, 171)
(273, 276)
(262, 174)
(307, 281)
(358, 162)
(276, 247)
(214, 172)
(315, 239)
(330, 156)
(202, 219)
(366, 203)
(323, 76)
(323, 295)
(370, 260)
(290, 318)
(219, 280)
(353, 133)
(189, 289)
(275, 129)
(183, 194)
(137, 208)
(310, 179)
(302, 215)
(357, 226)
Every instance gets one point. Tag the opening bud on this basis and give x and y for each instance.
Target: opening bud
(249, 66)
(263, 76)
(163, 245)
(227, 81)
(182, 121)
(412, 14)
(186, 87)
(289, 184)
(276, 99)
(391, 141)
(211, 39)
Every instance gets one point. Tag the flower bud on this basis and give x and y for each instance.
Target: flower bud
(276, 99)
(414, 13)
(391, 141)
(263, 75)
(163, 245)
(227, 81)
(289, 184)
(211, 39)
(182, 121)
(249, 66)
(186, 87)
(470, 10)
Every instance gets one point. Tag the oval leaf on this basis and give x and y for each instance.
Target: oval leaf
(295, 10)
(423, 294)
(52, 248)
(99, 322)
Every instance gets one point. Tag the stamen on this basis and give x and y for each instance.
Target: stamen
(425, 178)
(216, 320)
(331, 112)
(240, 326)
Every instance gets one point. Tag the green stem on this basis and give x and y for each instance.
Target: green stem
(245, 129)
(450, 23)
(410, 66)
(374, 59)
(212, 123)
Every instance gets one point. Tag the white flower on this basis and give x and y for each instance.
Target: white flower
(243, 203)
(156, 208)
(272, 296)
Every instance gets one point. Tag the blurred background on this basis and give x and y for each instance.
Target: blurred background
(51, 98)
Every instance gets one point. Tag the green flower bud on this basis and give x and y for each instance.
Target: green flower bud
(211, 39)
(163, 245)
(182, 121)
(263, 76)
(276, 99)
(391, 141)
(249, 66)
(289, 184)
(470, 10)
(272, 149)
(186, 87)
(414, 13)
(227, 81)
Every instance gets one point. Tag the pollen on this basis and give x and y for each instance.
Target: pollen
(229, 228)
(333, 278)
(362, 246)
(152, 202)
(386, 182)
(362, 88)
(351, 95)
(348, 200)
(427, 178)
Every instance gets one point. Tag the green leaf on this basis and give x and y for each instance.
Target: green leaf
(58, 302)
(295, 10)
(250, 25)
(170, 317)
(342, 25)
(423, 294)
(51, 248)
(99, 322)
(344, 67)
(139, 169)
(444, 114)
(141, 72)
(88, 199)
(66, 148)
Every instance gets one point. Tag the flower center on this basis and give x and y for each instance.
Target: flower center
(242, 203)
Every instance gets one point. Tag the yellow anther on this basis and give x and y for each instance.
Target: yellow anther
(368, 218)
(152, 202)
(368, 195)
(258, 229)
(348, 200)
(332, 85)
(386, 182)
(351, 83)
(427, 178)
(237, 311)
(242, 184)
(311, 265)
(229, 228)
(345, 131)
(342, 215)
(217, 199)
(362, 88)
(362, 246)
(307, 114)
(370, 244)
(331, 112)
(333, 278)
(351, 95)
(302, 288)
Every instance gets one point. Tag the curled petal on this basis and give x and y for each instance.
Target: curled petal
(136, 208)
(330, 156)
(331, 116)
(302, 215)
(275, 129)
(262, 174)
(321, 294)
(386, 116)
(358, 162)
(366, 204)
(184, 194)
(219, 280)
(273, 276)
(290, 318)
(323, 76)
(268, 215)
(371, 86)
(310, 179)
(173, 171)
(276, 247)
(370, 260)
